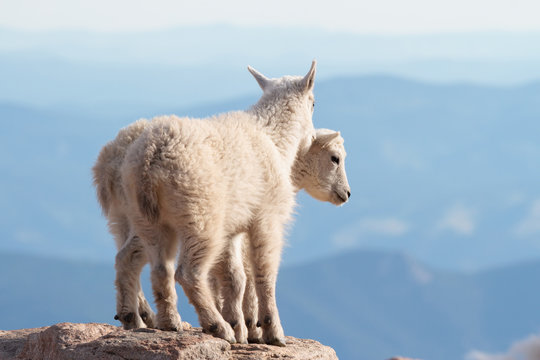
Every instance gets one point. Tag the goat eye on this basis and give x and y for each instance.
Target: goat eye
(335, 159)
(313, 106)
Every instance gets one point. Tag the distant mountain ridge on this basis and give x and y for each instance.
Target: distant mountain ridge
(176, 44)
(84, 69)
(380, 302)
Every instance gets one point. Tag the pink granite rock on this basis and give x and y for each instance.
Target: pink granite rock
(101, 341)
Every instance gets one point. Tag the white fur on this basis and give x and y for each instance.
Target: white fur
(205, 181)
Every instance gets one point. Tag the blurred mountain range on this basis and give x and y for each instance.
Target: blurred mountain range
(78, 69)
(365, 304)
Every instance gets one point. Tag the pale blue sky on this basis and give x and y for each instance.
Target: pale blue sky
(381, 16)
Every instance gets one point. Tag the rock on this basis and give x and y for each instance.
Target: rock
(11, 342)
(102, 341)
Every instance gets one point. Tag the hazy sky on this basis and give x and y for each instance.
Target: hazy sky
(375, 16)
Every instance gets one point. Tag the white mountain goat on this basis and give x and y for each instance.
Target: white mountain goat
(320, 171)
(200, 182)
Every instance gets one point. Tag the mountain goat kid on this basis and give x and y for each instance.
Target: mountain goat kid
(321, 173)
(200, 182)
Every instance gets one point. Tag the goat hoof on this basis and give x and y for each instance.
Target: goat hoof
(255, 335)
(171, 328)
(172, 323)
(221, 330)
(130, 320)
(277, 342)
(240, 331)
(149, 319)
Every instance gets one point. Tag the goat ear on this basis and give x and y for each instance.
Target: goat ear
(261, 79)
(326, 139)
(309, 80)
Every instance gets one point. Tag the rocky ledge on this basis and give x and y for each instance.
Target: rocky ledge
(103, 341)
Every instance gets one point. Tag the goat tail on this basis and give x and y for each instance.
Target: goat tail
(106, 170)
(104, 179)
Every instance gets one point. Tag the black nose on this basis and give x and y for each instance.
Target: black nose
(348, 194)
